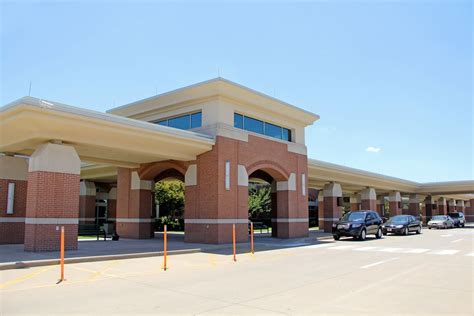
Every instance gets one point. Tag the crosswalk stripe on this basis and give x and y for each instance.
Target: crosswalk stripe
(365, 249)
(392, 250)
(470, 254)
(341, 247)
(418, 250)
(444, 252)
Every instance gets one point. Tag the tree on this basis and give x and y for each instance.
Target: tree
(169, 195)
(259, 200)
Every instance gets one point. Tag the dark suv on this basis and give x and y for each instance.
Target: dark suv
(358, 225)
(458, 218)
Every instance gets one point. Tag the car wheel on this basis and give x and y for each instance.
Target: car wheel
(429, 227)
(336, 237)
(445, 226)
(462, 225)
(405, 231)
(385, 233)
(379, 234)
(418, 230)
(362, 235)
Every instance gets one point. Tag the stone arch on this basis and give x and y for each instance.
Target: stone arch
(163, 169)
(275, 170)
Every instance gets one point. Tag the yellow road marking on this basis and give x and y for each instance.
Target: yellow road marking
(25, 277)
(102, 272)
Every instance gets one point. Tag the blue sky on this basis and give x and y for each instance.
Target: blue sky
(394, 76)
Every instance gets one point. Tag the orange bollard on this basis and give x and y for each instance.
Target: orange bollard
(233, 241)
(165, 246)
(251, 238)
(62, 254)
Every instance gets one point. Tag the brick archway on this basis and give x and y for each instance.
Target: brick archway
(272, 168)
(157, 170)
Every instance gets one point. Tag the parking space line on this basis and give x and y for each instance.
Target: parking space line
(447, 235)
(25, 277)
(470, 254)
(378, 263)
(457, 240)
(392, 250)
(341, 247)
(366, 249)
(102, 272)
(444, 252)
(418, 250)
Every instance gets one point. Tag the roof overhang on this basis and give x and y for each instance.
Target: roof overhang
(97, 137)
(217, 87)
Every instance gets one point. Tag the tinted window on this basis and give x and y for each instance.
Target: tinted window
(454, 215)
(181, 122)
(272, 130)
(398, 220)
(238, 120)
(253, 125)
(286, 134)
(163, 122)
(354, 217)
(196, 120)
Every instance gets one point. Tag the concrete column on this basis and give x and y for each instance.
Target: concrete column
(368, 199)
(451, 206)
(52, 198)
(460, 205)
(469, 213)
(13, 187)
(414, 202)
(87, 197)
(134, 205)
(395, 203)
(430, 209)
(442, 206)
(332, 206)
(380, 206)
(355, 202)
(112, 204)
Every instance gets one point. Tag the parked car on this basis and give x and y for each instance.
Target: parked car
(458, 218)
(441, 221)
(402, 225)
(358, 224)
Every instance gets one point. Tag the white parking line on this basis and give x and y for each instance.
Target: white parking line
(320, 246)
(458, 240)
(444, 252)
(341, 247)
(418, 250)
(392, 250)
(470, 254)
(365, 248)
(447, 235)
(378, 262)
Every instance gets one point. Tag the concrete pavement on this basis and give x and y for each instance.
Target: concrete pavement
(430, 273)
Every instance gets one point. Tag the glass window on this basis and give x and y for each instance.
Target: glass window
(238, 120)
(272, 130)
(181, 122)
(253, 125)
(196, 120)
(162, 122)
(286, 134)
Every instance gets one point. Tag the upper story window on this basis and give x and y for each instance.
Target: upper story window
(186, 121)
(261, 127)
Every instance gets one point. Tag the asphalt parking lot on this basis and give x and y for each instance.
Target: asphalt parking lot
(431, 273)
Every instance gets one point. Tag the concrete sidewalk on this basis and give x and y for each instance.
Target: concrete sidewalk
(13, 256)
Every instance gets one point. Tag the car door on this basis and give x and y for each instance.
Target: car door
(369, 223)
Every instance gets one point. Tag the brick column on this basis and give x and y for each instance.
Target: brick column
(13, 186)
(332, 209)
(368, 199)
(380, 206)
(469, 211)
(87, 197)
(442, 206)
(430, 209)
(395, 203)
(112, 204)
(460, 205)
(451, 206)
(134, 205)
(414, 205)
(52, 198)
(321, 209)
(355, 202)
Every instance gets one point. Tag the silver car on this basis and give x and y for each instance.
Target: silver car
(441, 221)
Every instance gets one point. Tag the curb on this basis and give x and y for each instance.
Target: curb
(50, 262)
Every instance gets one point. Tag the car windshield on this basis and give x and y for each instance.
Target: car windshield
(354, 217)
(398, 220)
(438, 218)
(454, 215)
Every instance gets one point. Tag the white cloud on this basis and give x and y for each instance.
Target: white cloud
(371, 149)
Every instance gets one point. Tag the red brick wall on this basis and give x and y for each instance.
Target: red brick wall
(87, 207)
(13, 232)
(51, 195)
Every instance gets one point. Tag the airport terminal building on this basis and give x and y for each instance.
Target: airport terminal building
(64, 166)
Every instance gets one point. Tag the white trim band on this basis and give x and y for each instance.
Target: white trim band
(290, 220)
(328, 219)
(51, 221)
(134, 220)
(216, 221)
(12, 219)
